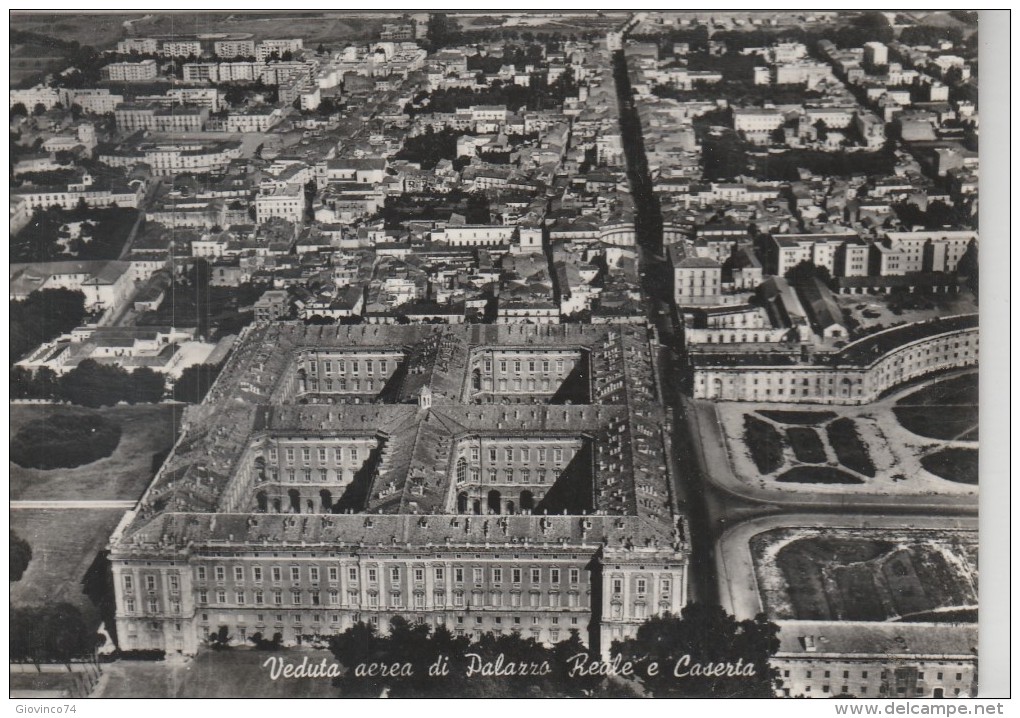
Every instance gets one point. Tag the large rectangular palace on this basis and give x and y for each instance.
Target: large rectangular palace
(485, 477)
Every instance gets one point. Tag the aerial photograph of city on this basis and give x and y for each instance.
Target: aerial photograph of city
(494, 354)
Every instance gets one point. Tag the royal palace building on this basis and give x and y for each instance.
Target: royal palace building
(485, 477)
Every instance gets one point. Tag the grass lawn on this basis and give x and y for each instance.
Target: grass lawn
(146, 431)
(234, 673)
(765, 444)
(64, 544)
(851, 451)
(938, 422)
(962, 389)
(953, 464)
(806, 445)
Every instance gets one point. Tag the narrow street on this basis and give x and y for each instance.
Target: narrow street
(657, 288)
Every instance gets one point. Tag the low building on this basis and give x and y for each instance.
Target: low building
(272, 305)
(819, 659)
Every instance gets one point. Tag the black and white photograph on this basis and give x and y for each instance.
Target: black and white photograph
(500, 354)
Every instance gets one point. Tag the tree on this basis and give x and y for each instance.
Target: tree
(42, 316)
(145, 386)
(220, 640)
(195, 382)
(93, 384)
(44, 634)
(419, 647)
(822, 129)
(21, 554)
(803, 272)
(707, 635)
(439, 31)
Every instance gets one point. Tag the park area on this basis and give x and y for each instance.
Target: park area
(147, 432)
(920, 440)
(867, 574)
(231, 673)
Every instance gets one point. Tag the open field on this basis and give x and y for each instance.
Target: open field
(65, 543)
(233, 673)
(100, 30)
(866, 574)
(312, 27)
(147, 433)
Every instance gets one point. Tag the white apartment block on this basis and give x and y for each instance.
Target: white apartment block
(268, 47)
(141, 45)
(131, 71)
(876, 54)
(843, 255)
(926, 251)
(227, 49)
(182, 48)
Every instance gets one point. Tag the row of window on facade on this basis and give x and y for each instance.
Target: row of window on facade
(496, 575)
(324, 476)
(334, 619)
(518, 366)
(508, 475)
(353, 364)
(343, 384)
(374, 599)
(353, 454)
(523, 454)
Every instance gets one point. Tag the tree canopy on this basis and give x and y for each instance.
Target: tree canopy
(436, 663)
(702, 636)
(21, 554)
(42, 316)
(803, 272)
(45, 634)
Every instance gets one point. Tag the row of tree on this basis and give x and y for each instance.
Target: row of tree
(89, 384)
(92, 384)
(51, 634)
(437, 663)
